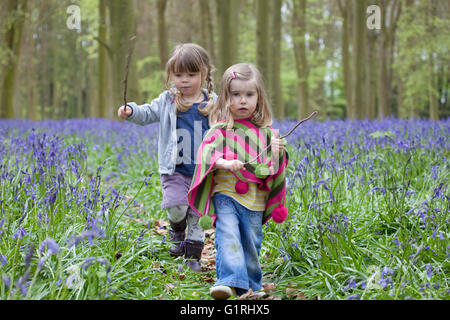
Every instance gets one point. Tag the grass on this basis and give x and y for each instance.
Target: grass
(368, 203)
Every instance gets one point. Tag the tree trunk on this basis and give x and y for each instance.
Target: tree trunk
(227, 14)
(162, 33)
(13, 39)
(262, 41)
(123, 27)
(383, 103)
(275, 72)
(371, 79)
(359, 74)
(299, 40)
(207, 31)
(433, 96)
(386, 55)
(345, 9)
(102, 63)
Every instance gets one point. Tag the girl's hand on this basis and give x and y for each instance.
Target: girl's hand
(277, 145)
(124, 114)
(232, 165)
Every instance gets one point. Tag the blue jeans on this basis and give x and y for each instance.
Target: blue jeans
(238, 241)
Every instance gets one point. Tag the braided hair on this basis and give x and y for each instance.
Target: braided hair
(190, 57)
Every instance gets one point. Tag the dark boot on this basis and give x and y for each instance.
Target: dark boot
(176, 237)
(193, 254)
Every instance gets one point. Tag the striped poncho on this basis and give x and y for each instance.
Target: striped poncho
(244, 142)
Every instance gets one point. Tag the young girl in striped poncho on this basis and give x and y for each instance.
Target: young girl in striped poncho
(239, 180)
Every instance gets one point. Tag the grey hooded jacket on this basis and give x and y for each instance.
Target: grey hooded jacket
(161, 109)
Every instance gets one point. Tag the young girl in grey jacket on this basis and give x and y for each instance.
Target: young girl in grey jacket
(182, 111)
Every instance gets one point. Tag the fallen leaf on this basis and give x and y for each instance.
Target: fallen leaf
(291, 291)
(269, 287)
(295, 294)
(161, 227)
(250, 295)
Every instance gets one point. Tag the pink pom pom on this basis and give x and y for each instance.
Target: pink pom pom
(241, 187)
(279, 214)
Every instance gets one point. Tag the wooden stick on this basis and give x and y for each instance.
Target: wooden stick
(127, 67)
(284, 136)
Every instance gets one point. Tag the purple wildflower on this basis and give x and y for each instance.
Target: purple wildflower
(386, 278)
(52, 246)
(22, 283)
(3, 259)
(350, 284)
(87, 262)
(429, 270)
(20, 233)
(6, 280)
(396, 242)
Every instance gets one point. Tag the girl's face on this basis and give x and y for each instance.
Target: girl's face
(188, 83)
(244, 98)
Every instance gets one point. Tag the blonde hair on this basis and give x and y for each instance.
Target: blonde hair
(262, 116)
(190, 57)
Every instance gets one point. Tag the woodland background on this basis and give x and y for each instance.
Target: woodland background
(314, 54)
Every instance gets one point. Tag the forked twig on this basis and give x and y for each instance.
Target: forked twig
(127, 67)
(284, 136)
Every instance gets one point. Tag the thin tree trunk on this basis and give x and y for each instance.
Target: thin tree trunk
(262, 40)
(162, 33)
(359, 74)
(275, 72)
(386, 55)
(345, 8)
(13, 39)
(371, 80)
(102, 62)
(123, 27)
(207, 26)
(432, 92)
(227, 20)
(299, 40)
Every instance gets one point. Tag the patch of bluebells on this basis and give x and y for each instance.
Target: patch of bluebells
(386, 277)
(38, 156)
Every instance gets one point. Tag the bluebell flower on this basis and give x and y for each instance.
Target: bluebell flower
(87, 262)
(436, 285)
(3, 259)
(386, 279)
(29, 255)
(429, 270)
(350, 284)
(396, 242)
(22, 283)
(20, 233)
(6, 280)
(52, 246)
(41, 263)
